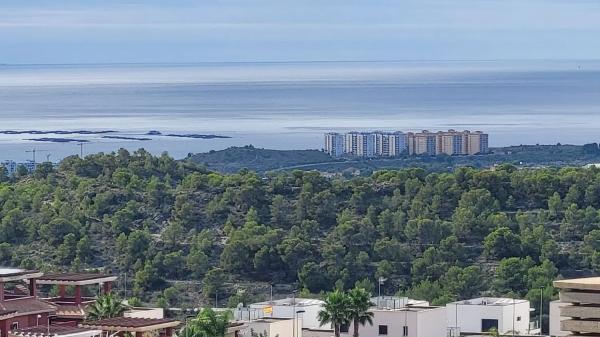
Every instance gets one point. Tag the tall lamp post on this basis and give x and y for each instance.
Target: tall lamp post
(541, 309)
(294, 313)
(513, 329)
(381, 281)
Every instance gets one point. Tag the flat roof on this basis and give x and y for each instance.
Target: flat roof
(75, 278)
(490, 301)
(416, 308)
(270, 319)
(586, 283)
(317, 333)
(133, 324)
(8, 274)
(10, 271)
(53, 330)
(299, 302)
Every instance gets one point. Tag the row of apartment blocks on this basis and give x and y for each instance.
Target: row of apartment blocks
(393, 144)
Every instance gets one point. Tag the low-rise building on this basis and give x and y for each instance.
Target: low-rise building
(409, 321)
(139, 312)
(579, 306)
(555, 319)
(19, 306)
(305, 308)
(72, 309)
(274, 327)
(11, 166)
(485, 313)
(396, 302)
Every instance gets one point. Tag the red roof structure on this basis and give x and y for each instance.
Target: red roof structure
(132, 324)
(139, 326)
(54, 331)
(29, 305)
(76, 278)
(19, 304)
(71, 309)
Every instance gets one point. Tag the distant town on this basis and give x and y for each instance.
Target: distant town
(398, 143)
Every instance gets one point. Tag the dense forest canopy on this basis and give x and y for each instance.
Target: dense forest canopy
(434, 236)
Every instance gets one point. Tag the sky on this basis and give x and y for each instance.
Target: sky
(183, 31)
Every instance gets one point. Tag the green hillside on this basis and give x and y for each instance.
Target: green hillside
(255, 159)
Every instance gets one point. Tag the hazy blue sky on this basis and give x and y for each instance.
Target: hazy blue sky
(62, 31)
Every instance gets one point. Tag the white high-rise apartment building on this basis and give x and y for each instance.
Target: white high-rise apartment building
(392, 144)
(334, 144)
(365, 144)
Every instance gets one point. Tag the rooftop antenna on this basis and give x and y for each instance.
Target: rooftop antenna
(33, 151)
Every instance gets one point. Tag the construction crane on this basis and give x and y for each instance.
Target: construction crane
(81, 144)
(33, 152)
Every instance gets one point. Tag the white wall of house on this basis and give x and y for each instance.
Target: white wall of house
(431, 323)
(468, 315)
(420, 322)
(555, 319)
(282, 309)
(274, 328)
(145, 312)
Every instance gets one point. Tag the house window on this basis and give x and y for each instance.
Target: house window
(14, 325)
(405, 331)
(344, 328)
(488, 324)
(383, 330)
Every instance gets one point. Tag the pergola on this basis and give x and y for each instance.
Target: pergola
(134, 325)
(77, 280)
(8, 275)
(54, 331)
(72, 309)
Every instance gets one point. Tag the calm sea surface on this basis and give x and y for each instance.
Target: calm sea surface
(290, 105)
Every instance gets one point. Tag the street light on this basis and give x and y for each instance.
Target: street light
(541, 308)
(296, 315)
(513, 329)
(294, 312)
(381, 281)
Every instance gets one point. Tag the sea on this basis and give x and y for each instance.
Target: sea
(289, 105)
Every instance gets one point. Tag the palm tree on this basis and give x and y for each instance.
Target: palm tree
(207, 323)
(335, 311)
(106, 306)
(359, 314)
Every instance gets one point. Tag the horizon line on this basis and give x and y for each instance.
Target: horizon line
(305, 61)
